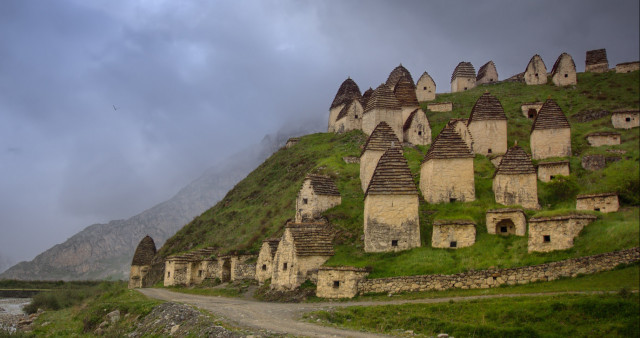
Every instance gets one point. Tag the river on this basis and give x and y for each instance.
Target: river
(11, 312)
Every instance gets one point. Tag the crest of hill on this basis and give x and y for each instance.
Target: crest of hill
(397, 74)
(550, 116)
(392, 175)
(366, 96)
(347, 92)
(516, 161)
(463, 69)
(483, 70)
(487, 107)
(145, 252)
(405, 92)
(382, 98)
(312, 239)
(448, 144)
(596, 56)
(323, 185)
(557, 63)
(382, 138)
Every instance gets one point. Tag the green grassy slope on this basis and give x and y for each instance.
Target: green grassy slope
(259, 205)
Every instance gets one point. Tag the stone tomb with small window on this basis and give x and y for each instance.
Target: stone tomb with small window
(555, 233)
(440, 107)
(536, 71)
(425, 88)
(417, 129)
(339, 281)
(549, 170)
(318, 193)
(531, 109)
(453, 234)
(506, 222)
(605, 202)
(264, 265)
(625, 119)
(139, 275)
(563, 72)
(603, 138)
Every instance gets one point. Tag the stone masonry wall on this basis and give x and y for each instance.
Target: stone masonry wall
(548, 143)
(339, 282)
(626, 120)
(444, 234)
(485, 279)
(627, 67)
(599, 203)
(546, 170)
(440, 107)
(603, 140)
(420, 131)
(310, 205)
(391, 223)
(555, 233)
(527, 106)
(516, 217)
(264, 265)
(460, 84)
(516, 190)
(372, 118)
(368, 162)
(444, 179)
(489, 136)
(242, 268)
(352, 121)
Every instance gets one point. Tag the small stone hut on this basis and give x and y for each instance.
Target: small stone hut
(453, 234)
(550, 133)
(531, 109)
(264, 264)
(549, 170)
(463, 77)
(381, 139)
(417, 129)
(487, 73)
(318, 193)
(440, 107)
(303, 248)
(347, 92)
(292, 142)
(405, 92)
(383, 107)
(425, 88)
(555, 233)
(605, 202)
(603, 138)
(339, 281)
(596, 61)
(397, 74)
(349, 118)
(563, 72)
(191, 268)
(506, 222)
(536, 71)
(391, 221)
(488, 126)
(141, 263)
(628, 67)
(446, 173)
(625, 119)
(515, 181)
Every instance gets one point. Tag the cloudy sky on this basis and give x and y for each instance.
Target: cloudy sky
(109, 107)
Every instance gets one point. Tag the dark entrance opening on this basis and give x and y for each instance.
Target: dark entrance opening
(336, 284)
(394, 242)
(546, 238)
(506, 227)
(532, 113)
(453, 244)
(226, 270)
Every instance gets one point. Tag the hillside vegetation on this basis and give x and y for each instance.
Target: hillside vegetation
(258, 206)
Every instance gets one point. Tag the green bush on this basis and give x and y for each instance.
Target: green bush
(559, 189)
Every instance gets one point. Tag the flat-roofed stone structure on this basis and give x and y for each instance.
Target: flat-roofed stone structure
(141, 264)
(463, 77)
(555, 233)
(381, 139)
(628, 67)
(391, 221)
(515, 181)
(339, 281)
(550, 133)
(425, 88)
(536, 71)
(563, 72)
(440, 107)
(349, 118)
(383, 107)
(292, 142)
(318, 193)
(549, 170)
(531, 109)
(453, 234)
(625, 119)
(303, 248)
(417, 129)
(397, 74)
(604, 202)
(264, 264)
(596, 61)
(603, 138)
(487, 73)
(488, 126)
(446, 173)
(506, 222)
(405, 92)
(347, 92)
(191, 268)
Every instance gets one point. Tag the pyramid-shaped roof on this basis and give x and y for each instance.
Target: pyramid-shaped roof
(447, 145)
(550, 116)
(483, 70)
(382, 138)
(560, 58)
(145, 252)
(425, 77)
(323, 185)
(273, 245)
(596, 56)
(463, 69)
(366, 96)
(516, 161)
(382, 98)
(405, 92)
(392, 175)
(487, 107)
(346, 93)
(312, 239)
(396, 74)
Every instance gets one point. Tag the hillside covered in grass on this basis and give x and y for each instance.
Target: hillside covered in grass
(258, 206)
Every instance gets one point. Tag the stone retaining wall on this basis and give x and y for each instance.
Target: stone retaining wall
(485, 279)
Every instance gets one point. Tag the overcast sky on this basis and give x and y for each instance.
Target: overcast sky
(110, 107)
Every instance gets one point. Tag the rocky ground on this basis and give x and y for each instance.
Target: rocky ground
(11, 315)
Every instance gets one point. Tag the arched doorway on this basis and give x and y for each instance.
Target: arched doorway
(225, 274)
(506, 227)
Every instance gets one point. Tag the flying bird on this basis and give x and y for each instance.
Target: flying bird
(114, 107)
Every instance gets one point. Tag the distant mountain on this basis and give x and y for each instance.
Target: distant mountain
(104, 251)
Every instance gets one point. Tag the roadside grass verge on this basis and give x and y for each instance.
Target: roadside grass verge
(235, 289)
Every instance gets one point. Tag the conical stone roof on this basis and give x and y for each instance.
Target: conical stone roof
(560, 58)
(424, 77)
(366, 96)
(382, 138)
(405, 92)
(550, 116)
(392, 176)
(145, 252)
(382, 98)
(323, 185)
(396, 75)
(273, 245)
(515, 162)
(533, 61)
(448, 145)
(347, 92)
(487, 107)
(483, 70)
(463, 69)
